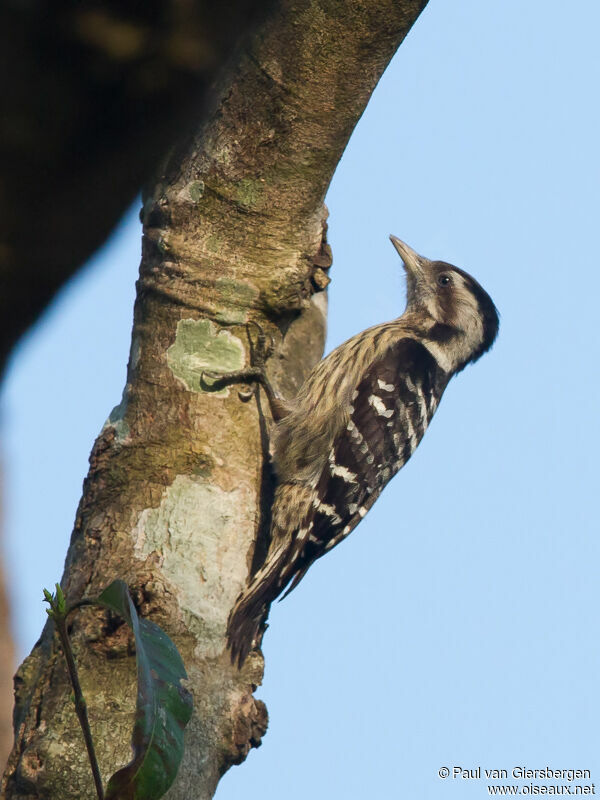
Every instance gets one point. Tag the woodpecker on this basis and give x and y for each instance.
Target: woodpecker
(356, 421)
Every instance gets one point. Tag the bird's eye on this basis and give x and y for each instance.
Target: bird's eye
(444, 279)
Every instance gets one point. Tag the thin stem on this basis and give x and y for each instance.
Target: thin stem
(76, 605)
(80, 705)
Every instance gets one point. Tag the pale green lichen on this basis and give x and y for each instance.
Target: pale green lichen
(194, 533)
(212, 244)
(248, 192)
(116, 418)
(135, 352)
(196, 190)
(235, 292)
(199, 347)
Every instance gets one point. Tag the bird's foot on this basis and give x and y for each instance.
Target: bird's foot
(260, 351)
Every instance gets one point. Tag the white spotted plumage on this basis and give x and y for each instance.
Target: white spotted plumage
(355, 422)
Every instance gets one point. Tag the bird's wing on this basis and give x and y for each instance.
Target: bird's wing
(389, 413)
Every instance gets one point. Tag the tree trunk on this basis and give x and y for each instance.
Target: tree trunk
(7, 667)
(178, 494)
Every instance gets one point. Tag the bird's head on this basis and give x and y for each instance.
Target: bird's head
(464, 319)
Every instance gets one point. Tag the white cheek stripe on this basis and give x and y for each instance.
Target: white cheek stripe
(469, 328)
(442, 357)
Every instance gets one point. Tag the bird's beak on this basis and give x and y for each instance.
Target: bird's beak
(411, 260)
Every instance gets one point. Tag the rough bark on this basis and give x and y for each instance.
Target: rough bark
(176, 501)
(7, 668)
(92, 93)
(7, 650)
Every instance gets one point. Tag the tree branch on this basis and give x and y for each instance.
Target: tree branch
(176, 502)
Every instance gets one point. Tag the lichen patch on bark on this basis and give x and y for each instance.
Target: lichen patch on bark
(194, 532)
(116, 418)
(199, 347)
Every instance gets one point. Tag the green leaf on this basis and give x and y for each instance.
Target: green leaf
(61, 605)
(56, 601)
(164, 707)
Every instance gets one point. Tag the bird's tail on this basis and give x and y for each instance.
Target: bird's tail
(252, 606)
(293, 502)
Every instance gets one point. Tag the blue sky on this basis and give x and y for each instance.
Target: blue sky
(458, 626)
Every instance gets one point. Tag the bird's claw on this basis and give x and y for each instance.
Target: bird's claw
(260, 352)
(263, 349)
(213, 377)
